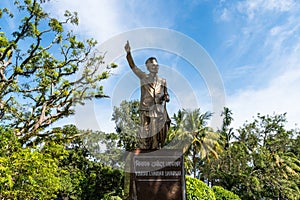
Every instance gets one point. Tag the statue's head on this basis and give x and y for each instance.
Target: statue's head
(152, 65)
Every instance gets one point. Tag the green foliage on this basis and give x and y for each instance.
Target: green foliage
(261, 162)
(222, 194)
(198, 141)
(40, 63)
(198, 190)
(108, 197)
(226, 131)
(87, 178)
(28, 173)
(103, 147)
(127, 121)
(52, 169)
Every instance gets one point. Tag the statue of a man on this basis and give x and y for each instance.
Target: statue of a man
(155, 121)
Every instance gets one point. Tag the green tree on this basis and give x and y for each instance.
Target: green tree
(87, 178)
(103, 147)
(261, 161)
(197, 140)
(226, 131)
(127, 120)
(45, 71)
(40, 76)
(226, 135)
(29, 173)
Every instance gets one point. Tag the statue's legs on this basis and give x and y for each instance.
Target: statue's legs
(145, 139)
(154, 129)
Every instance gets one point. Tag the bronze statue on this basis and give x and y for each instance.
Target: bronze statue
(155, 121)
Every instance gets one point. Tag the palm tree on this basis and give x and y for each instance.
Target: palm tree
(198, 141)
(225, 131)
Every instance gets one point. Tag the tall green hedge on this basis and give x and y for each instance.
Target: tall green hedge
(198, 190)
(222, 194)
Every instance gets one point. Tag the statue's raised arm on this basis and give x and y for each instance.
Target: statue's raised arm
(131, 63)
(129, 56)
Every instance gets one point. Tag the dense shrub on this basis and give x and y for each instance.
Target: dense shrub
(222, 194)
(28, 173)
(198, 190)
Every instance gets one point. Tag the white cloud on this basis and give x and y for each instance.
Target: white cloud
(282, 6)
(98, 19)
(225, 15)
(279, 78)
(254, 7)
(281, 96)
(266, 46)
(240, 71)
(105, 19)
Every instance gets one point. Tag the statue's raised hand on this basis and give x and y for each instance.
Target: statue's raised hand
(127, 47)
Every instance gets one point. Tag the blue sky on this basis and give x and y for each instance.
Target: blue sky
(254, 44)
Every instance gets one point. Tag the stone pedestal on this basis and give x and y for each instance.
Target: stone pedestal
(157, 175)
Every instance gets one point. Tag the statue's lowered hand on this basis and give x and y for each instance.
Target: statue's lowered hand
(164, 98)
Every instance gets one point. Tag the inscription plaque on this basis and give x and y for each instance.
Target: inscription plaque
(157, 175)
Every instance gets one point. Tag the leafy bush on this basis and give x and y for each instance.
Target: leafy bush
(26, 173)
(222, 194)
(108, 197)
(198, 190)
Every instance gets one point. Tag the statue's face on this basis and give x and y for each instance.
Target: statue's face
(152, 66)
